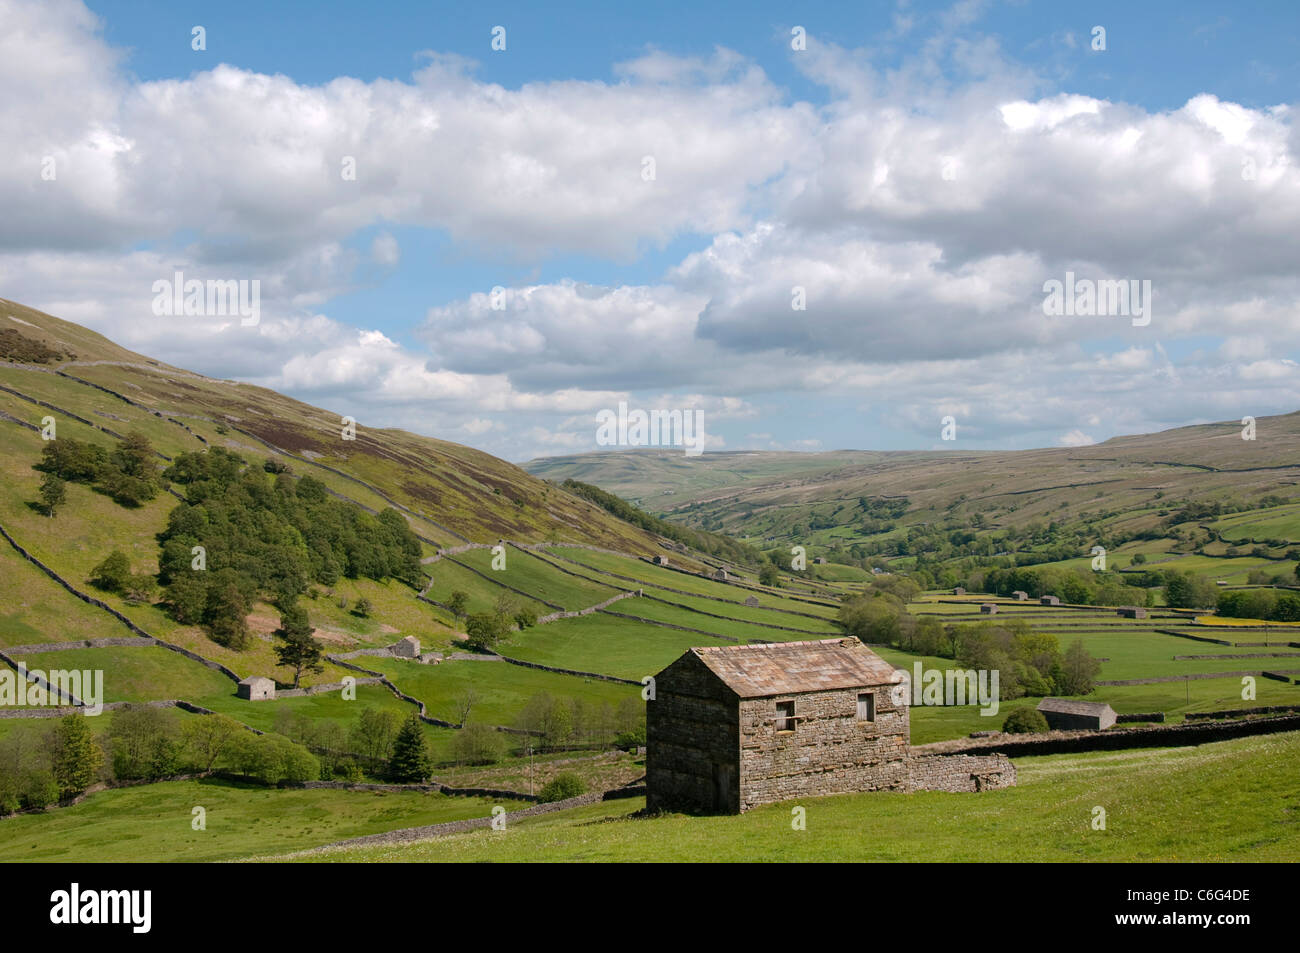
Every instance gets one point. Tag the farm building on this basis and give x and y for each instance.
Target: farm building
(257, 688)
(720, 575)
(1049, 600)
(1132, 612)
(1065, 715)
(959, 591)
(989, 608)
(408, 647)
(820, 560)
(1020, 595)
(661, 560)
(751, 601)
(735, 726)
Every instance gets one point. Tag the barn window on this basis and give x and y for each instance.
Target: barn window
(785, 716)
(867, 707)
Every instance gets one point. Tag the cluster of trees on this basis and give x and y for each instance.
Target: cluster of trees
(483, 630)
(576, 723)
(246, 532)
(1028, 662)
(714, 544)
(140, 743)
(1072, 585)
(114, 575)
(129, 473)
(1270, 604)
(380, 743)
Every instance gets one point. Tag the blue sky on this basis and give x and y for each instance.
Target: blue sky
(779, 168)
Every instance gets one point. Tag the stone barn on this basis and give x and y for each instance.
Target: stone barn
(1049, 600)
(720, 575)
(661, 560)
(958, 591)
(1132, 612)
(1066, 715)
(408, 647)
(1020, 595)
(751, 601)
(257, 688)
(821, 560)
(989, 608)
(735, 726)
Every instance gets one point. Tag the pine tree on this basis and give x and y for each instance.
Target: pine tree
(75, 756)
(410, 761)
(300, 651)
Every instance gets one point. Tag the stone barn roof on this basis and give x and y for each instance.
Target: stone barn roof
(791, 668)
(256, 680)
(1068, 706)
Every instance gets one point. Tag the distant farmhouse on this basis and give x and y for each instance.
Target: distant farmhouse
(1049, 600)
(732, 727)
(1132, 612)
(989, 608)
(720, 575)
(1020, 595)
(661, 560)
(1065, 715)
(958, 591)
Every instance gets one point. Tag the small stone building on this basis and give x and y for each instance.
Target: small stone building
(1020, 595)
(751, 601)
(1131, 612)
(720, 575)
(1065, 714)
(958, 591)
(257, 688)
(735, 726)
(408, 647)
(1049, 600)
(661, 560)
(820, 560)
(989, 608)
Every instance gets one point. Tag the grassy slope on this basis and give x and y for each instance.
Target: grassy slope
(1233, 800)
(152, 822)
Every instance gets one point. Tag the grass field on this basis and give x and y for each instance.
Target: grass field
(1229, 801)
(153, 822)
(604, 644)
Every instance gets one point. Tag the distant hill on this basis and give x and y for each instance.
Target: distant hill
(867, 504)
(451, 493)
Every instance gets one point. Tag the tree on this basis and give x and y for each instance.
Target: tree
(478, 744)
(54, 493)
(209, 737)
(769, 576)
(300, 651)
(465, 703)
(1024, 720)
(187, 595)
(75, 756)
(373, 733)
(112, 574)
(458, 603)
(363, 608)
(562, 786)
(1078, 670)
(484, 630)
(410, 761)
(145, 742)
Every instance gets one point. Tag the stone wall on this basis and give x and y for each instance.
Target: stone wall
(960, 773)
(829, 752)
